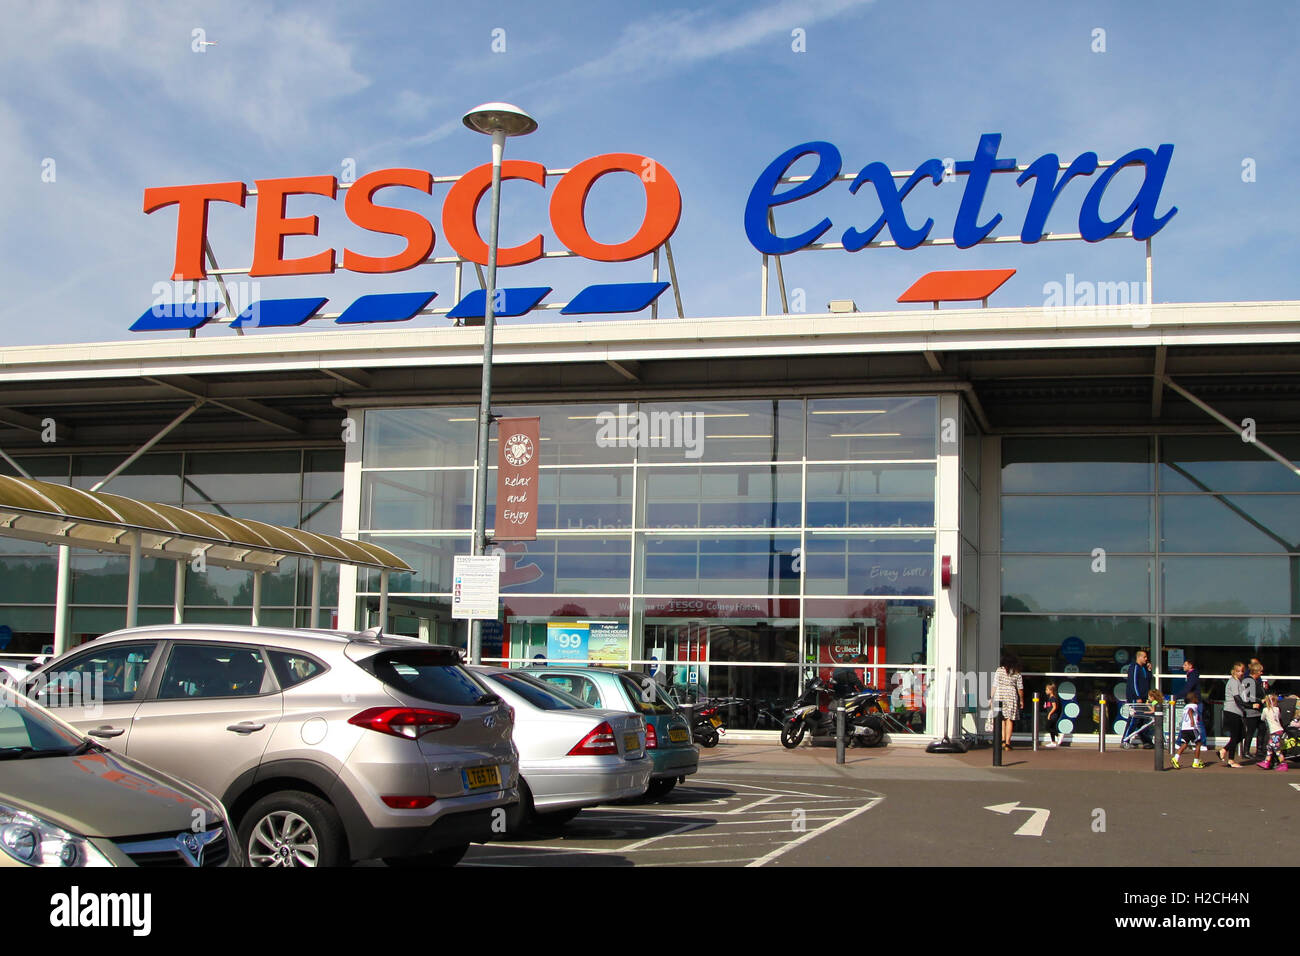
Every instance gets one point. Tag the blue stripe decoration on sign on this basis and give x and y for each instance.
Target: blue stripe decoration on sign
(511, 303)
(385, 307)
(277, 313)
(174, 316)
(615, 297)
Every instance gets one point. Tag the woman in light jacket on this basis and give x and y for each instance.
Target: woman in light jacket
(1234, 714)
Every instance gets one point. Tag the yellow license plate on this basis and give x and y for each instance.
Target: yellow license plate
(631, 743)
(477, 778)
(716, 721)
(677, 736)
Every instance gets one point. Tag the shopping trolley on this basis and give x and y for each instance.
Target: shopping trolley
(1142, 719)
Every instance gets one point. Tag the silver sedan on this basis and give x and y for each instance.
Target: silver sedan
(571, 755)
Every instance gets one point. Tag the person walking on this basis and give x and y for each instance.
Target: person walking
(1263, 688)
(1009, 692)
(1253, 712)
(1234, 715)
(1272, 720)
(1190, 732)
(1138, 685)
(1052, 710)
(1192, 685)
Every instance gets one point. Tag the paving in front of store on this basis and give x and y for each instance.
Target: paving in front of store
(754, 803)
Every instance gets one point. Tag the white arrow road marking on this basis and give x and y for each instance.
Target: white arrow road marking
(1295, 786)
(1034, 825)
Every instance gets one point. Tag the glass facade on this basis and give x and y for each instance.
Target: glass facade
(297, 488)
(740, 544)
(1186, 543)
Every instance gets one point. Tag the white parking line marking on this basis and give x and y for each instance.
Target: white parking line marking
(785, 848)
(663, 836)
(759, 802)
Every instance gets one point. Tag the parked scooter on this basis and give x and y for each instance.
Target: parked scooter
(863, 725)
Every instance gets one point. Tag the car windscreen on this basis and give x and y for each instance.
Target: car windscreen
(646, 696)
(27, 730)
(431, 675)
(538, 693)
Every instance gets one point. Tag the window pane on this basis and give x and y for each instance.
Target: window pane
(720, 431)
(291, 668)
(1076, 523)
(102, 579)
(247, 476)
(1225, 463)
(854, 429)
(1076, 464)
(148, 478)
(1071, 584)
(29, 578)
(1259, 523)
(1232, 585)
(1215, 643)
(870, 496)
(234, 588)
(884, 565)
(760, 564)
(722, 497)
(322, 475)
(417, 500)
(567, 565)
(213, 670)
(419, 437)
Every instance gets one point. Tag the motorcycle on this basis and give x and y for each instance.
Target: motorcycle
(708, 727)
(864, 726)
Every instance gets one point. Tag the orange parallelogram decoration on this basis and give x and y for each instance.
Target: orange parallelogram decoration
(959, 285)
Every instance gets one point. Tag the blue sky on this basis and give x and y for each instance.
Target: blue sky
(113, 94)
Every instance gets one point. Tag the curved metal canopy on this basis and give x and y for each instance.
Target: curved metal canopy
(61, 515)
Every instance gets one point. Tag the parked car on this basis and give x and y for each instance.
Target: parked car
(66, 801)
(326, 746)
(14, 668)
(668, 737)
(571, 754)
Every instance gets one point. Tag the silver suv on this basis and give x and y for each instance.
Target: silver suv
(325, 746)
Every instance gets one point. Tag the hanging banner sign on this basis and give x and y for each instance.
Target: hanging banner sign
(517, 478)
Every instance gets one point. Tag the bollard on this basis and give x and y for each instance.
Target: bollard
(839, 734)
(1159, 736)
(1034, 746)
(997, 733)
(1101, 726)
(1171, 725)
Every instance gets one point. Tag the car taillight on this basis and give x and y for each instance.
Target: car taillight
(409, 803)
(708, 711)
(651, 737)
(600, 741)
(408, 722)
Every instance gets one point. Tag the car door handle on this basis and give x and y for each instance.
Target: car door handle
(246, 727)
(106, 731)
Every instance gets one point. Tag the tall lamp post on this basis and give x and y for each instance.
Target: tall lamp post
(497, 120)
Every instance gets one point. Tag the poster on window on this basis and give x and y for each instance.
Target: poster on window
(567, 641)
(518, 444)
(608, 642)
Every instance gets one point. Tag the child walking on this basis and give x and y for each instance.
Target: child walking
(1052, 710)
(1190, 731)
(1271, 716)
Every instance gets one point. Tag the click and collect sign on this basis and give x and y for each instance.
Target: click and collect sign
(476, 586)
(517, 454)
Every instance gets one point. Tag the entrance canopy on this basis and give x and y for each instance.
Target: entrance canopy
(60, 515)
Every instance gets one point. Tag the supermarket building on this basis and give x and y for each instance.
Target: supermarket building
(737, 500)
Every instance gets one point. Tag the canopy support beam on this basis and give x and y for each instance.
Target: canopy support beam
(178, 594)
(131, 458)
(383, 600)
(133, 582)
(257, 599)
(315, 593)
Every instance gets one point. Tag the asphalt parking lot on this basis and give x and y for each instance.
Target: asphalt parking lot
(756, 805)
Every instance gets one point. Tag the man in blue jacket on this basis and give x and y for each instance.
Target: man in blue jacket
(1138, 685)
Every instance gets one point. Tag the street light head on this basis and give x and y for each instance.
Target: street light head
(499, 118)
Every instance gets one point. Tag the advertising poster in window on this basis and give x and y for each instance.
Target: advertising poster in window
(608, 641)
(567, 641)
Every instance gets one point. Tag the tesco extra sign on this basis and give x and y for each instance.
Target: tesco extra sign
(361, 206)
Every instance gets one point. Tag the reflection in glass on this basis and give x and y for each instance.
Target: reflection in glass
(248, 476)
(721, 497)
(1225, 463)
(432, 558)
(858, 429)
(1075, 584)
(1231, 523)
(1232, 584)
(736, 430)
(419, 437)
(1066, 523)
(417, 500)
(686, 564)
(877, 565)
(870, 496)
